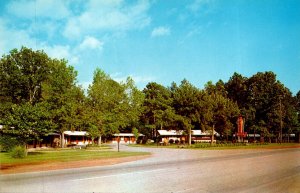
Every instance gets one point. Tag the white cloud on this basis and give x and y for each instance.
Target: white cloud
(31, 9)
(90, 42)
(142, 79)
(12, 38)
(201, 7)
(57, 51)
(197, 5)
(160, 31)
(61, 52)
(194, 31)
(139, 80)
(108, 16)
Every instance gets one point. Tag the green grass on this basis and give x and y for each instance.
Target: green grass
(245, 146)
(223, 146)
(65, 156)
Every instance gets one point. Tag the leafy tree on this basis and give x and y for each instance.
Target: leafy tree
(37, 94)
(28, 122)
(296, 128)
(93, 132)
(110, 104)
(220, 112)
(22, 73)
(262, 98)
(187, 104)
(133, 104)
(135, 132)
(158, 110)
(270, 100)
(236, 89)
(24, 113)
(218, 88)
(64, 97)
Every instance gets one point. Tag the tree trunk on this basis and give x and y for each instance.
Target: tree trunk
(99, 140)
(212, 135)
(62, 142)
(26, 149)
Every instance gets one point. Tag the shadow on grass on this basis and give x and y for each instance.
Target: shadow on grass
(35, 153)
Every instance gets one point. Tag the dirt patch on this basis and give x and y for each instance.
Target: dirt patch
(46, 166)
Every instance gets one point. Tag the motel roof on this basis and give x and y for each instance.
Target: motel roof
(85, 133)
(180, 132)
(76, 133)
(126, 135)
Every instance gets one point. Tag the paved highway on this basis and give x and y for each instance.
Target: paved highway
(174, 170)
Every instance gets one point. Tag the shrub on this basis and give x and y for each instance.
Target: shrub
(18, 152)
(177, 141)
(7, 143)
(171, 141)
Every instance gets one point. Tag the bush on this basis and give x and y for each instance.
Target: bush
(171, 141)
(18, 152)
(7, 143)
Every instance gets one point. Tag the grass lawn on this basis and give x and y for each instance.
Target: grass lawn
(223, 146)
(248, 146)
(65, 155)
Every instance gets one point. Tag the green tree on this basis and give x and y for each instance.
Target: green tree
(158, 111)
(93, 132)
(22, 73)
(270, 99)
(187, 104)
(297, 106)
(23, 111)
(37, 94)
(136, 133)
(133, 105)
(28, 122)
(64, 97)
(236, 89)
(109, 103)
(220, 111)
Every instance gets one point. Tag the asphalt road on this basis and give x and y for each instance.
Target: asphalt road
(174, 170)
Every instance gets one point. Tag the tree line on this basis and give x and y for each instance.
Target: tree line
(40, 95)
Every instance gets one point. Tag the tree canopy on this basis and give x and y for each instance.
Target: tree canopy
(40, 95)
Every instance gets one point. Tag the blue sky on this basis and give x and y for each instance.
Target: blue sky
(160, 40)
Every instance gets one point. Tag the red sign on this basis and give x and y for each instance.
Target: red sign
(240, 123)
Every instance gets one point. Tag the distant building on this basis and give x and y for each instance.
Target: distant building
(77, 138)
(125, 138)
(181, 136)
